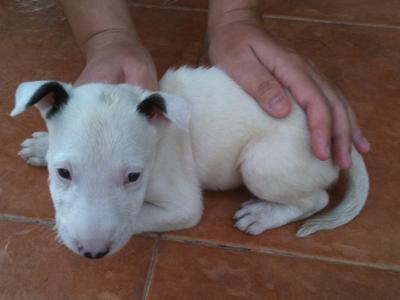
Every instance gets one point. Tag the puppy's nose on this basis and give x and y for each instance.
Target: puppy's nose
(96, 255)
(93, 249)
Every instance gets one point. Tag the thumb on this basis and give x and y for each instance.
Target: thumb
(271, 96)
(259, 83)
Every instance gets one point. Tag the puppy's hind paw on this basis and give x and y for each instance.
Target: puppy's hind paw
(34, 149)
(256, 216)
(253, 216)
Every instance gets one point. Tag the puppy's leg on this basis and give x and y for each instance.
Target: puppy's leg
(169, 214)
(256, 216)
(34, 149)
(289, 183)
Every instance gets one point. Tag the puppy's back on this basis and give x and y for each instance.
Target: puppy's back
(224, 119)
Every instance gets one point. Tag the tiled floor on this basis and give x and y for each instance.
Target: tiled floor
(356, 43)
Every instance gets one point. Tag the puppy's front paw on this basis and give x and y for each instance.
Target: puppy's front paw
(34, 149)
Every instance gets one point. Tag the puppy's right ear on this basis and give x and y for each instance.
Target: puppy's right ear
(47, 96)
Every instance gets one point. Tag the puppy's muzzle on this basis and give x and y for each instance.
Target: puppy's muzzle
(93, 249)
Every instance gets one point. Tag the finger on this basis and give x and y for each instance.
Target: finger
(146, 82)
(292, 73)
(314, 102)
(257, 81)
(341, 129)
(359, 140)
(97, 74)
(145, 77)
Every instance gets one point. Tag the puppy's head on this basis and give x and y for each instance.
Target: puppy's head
(102, 146)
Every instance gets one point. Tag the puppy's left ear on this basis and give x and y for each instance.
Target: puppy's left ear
(162, 105)
(47, 96)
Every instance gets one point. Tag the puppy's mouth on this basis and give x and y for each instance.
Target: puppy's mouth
(120, 240)
(93, 249)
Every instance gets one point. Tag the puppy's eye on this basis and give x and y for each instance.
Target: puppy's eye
(64, 173)
(133, 176)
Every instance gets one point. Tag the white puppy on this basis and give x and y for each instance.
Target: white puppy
(123, 160)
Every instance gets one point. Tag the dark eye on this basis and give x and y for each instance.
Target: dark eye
(133, 176)
(64, 173)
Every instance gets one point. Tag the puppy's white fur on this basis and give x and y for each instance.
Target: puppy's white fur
(99, 136)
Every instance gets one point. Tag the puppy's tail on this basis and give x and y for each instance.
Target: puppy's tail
(351, 205)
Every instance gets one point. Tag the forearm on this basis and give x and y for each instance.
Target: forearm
(91, 18)
(224, 12)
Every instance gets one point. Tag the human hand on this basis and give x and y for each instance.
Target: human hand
(264, 69)
(117, 57)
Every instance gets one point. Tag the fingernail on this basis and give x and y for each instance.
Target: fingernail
(365, 144)
(277, 104)
(323, 146)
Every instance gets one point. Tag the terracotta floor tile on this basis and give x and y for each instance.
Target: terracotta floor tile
(173, 38)
(33, 266)
(194, 272)
(40, 46)
(368, 74)
(370, 11)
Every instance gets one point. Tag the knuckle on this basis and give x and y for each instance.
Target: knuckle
(322, 121)
(309, 100)
(338, 108)
(295, 58)
(342, 136)
(342, 132)
(229, 50)
(341, 117)
(292, 52)
(139, 66)
(316, 101)
(268, 87)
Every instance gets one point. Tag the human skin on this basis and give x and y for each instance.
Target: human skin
(264, 68)
(106, 35)
(238, 44)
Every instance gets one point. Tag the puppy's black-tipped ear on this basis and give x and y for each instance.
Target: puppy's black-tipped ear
(152, 106)
(171, 107)
(48, 96)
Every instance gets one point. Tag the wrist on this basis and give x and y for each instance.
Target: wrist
(97, 42)
(225, 13)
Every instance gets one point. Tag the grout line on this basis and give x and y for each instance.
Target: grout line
(23, 219)
(169, 7)
(269, 251)
(273, 17)
(211, 244)
(326, 21)
(150, 270)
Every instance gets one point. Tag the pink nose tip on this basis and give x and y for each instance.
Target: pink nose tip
(93, 248)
